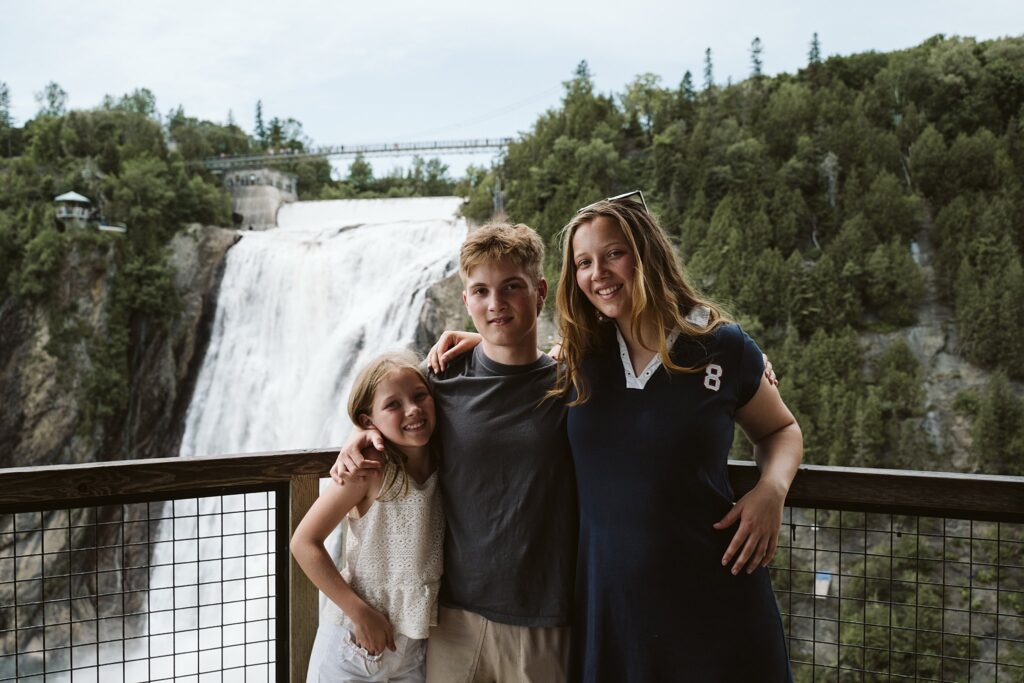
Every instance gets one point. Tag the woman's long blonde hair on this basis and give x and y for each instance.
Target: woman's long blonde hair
(662, 296)
(395, 476)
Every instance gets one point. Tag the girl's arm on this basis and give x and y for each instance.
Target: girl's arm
(373, 632)
(778, 449)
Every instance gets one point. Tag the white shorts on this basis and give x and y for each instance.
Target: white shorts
(337, 659)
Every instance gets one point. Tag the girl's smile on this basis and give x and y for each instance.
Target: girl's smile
(403, 411)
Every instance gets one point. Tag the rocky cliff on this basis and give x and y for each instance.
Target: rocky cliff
(45, 359)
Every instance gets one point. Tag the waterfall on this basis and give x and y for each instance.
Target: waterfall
(300, 309)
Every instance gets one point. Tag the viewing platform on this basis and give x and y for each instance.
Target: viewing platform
(156, 569)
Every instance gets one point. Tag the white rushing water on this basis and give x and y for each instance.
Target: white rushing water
(300, 310)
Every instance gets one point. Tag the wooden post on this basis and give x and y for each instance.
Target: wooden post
(303, 596)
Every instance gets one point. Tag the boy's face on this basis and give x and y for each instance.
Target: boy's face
(504, 302)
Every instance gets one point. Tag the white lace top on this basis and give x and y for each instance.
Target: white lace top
(393, 559)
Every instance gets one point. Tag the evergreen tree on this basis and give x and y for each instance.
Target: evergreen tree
(756, 62)
(814, 54)
(686, 89)
(5, 105)
(895, 285)
(261, 130)
(998, 429)
(709, 74)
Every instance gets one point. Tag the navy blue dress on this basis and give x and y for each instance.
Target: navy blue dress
(653, 601)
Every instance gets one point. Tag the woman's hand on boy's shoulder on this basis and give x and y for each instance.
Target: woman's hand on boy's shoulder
(450, 345)
(358, 457)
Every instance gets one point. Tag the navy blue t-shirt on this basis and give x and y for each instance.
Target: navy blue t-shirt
(653, 601)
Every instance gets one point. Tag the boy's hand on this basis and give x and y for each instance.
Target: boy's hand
(356, 457)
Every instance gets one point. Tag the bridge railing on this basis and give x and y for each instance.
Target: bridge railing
(476, 145)
(156, 569)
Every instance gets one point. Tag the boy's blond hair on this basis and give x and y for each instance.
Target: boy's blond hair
(496, 241)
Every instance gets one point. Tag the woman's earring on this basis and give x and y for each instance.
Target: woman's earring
(601, 317)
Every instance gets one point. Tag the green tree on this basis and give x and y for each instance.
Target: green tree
(43, 256)
(709, 71)
(139, 101)
(928, 156)
(5, 106)
(360, 174)
(260, 130)
(756, 60)
(998, 429)
(52, 100)
(814, 54)
(894, 282)
(142, 197)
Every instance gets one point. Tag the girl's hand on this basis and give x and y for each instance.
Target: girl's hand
(757, 537)
(451, 344)
(373, 631)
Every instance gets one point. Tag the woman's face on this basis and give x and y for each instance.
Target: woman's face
(604, 267)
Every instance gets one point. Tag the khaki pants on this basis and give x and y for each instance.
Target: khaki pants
(467, 648)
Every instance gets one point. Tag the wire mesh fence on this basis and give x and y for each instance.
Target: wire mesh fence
(170, 590)
(882, 597)
(200, 588)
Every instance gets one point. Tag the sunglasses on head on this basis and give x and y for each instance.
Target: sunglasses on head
(635, 197)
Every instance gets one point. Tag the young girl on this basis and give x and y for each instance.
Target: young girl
(384, 601)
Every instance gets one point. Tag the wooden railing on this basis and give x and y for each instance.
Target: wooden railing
(293, 476)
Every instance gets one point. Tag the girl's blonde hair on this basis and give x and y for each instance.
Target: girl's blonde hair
(661, 294)
(395, 476)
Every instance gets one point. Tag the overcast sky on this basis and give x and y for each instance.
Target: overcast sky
(385, 71)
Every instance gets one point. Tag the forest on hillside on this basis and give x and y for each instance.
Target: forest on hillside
(804, 203)
(141, 169)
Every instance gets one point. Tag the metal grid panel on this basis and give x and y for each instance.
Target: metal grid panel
(881, 597)
(181, 590)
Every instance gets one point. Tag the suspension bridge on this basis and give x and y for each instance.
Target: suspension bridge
(474, 146)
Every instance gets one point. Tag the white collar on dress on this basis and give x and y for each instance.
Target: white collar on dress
(698, 315)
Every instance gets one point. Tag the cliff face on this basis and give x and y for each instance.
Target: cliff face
(43, 420)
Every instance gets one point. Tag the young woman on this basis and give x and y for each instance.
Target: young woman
(672, 581)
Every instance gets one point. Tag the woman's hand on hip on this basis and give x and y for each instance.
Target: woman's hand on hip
(759, 514)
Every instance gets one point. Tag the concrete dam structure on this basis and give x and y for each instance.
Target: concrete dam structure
(257, 195)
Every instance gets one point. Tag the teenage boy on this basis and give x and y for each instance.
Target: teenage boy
(506, 478)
